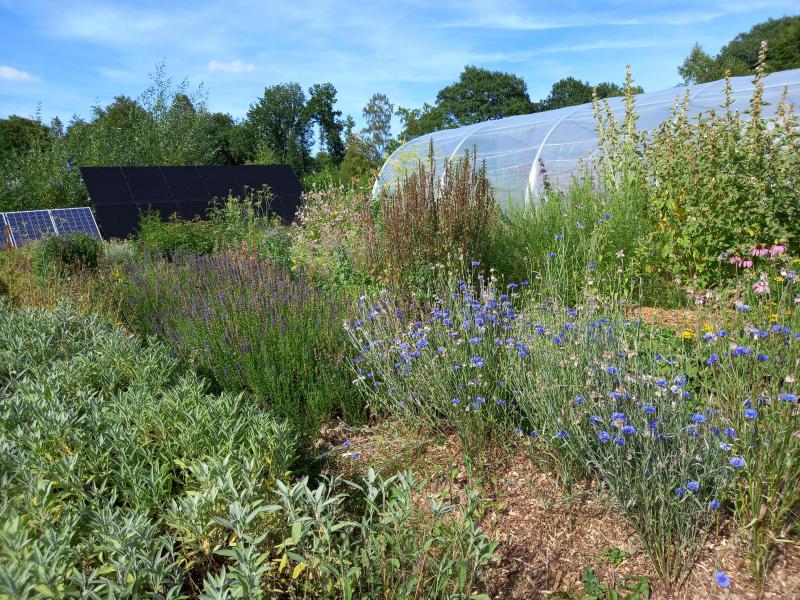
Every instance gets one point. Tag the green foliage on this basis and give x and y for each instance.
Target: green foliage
(280, 122)
(320, 108)
(629, 588)
(101, 436)
(571, 91)
(378, 116)
(717, 187)
(740, 56)
(309, 543)
(17, 135)
(166, 238)
(66, 253)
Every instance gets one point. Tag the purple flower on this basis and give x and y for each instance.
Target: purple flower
(603, 436)
(628, 430)
(713, 505)
(698, 418)
(713, 359)
(612, 370)
(680, 492)
(346, 444)
(737, 462)
(476, 361)
(649, 410)
(475, 340)
(750, 413)
(762, 358)
(693, 486)
(562, 435)
(722, 579)
(789, 397)
(580, 400)
(617, 416)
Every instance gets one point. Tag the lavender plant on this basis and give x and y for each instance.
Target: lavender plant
(250, 326)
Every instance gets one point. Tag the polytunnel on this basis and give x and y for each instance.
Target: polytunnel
(516, 150)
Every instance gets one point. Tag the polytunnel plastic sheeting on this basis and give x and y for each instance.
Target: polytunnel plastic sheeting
(520, 151)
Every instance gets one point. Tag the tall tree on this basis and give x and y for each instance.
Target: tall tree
(480, 95)
(378, 132)
(740, 55)
(279, 122)
(320, 110)
(18, 134)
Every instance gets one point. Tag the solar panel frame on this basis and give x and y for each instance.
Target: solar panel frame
(29, 225)
(67, 220)
(5, 240)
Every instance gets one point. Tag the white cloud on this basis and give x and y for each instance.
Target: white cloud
(235, 67)
(12, 74)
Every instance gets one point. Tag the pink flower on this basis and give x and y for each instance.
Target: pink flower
(747, 264)
(761, 287)
(777, 249)
(760, 250)
(735, 260)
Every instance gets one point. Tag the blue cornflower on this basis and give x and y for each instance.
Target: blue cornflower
(628, 430)
(619, 441)
(789, 397)
(730, 432)
(713, 359)
(714, 505)
(661, 382)
(580, 400)
(743, 308)
(737, 462)
(455, 401)
(680, 492)
(551, 254)
(562, 435)
(617, 416)
(649, 410)
(346, 444)
(474, 340)
(762, 358)
(741, 351)
(595, 419)
(693, 486)
(698, 418)
(722, 579)
(603, 436)
(476, 263)
(559, 237)
(534, 434)
(725, 446)
(611, 370)
(750, 413)
(692, 430)
(476, 361)
(614, 395)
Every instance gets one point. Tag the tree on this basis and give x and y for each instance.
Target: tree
(419, 121)
(17, 134)
(217, 139)
(320, 110)
(571, 91)
(378, 132)
(481, 95)
(279, 122)
(740, 55)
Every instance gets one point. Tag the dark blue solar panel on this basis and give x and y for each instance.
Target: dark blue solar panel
(27, 226)
(5, 240)
(75, 219)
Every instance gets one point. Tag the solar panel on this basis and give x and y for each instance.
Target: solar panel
(118, 221)
(286, 190)
(5, 240)
(219, 181)
(75, 219)
(29, 225)
(185, 184)
(107, 185)
(148, 187)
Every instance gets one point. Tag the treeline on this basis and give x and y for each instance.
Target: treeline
(171, 124)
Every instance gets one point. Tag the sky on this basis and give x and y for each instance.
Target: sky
(62, 57)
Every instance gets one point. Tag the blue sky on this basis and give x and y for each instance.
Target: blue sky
(70, 54)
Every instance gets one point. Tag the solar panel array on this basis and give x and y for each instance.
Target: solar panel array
(21, 227)
(121, 194)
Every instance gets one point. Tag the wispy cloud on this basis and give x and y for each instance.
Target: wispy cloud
(11, 74)
(235, 67)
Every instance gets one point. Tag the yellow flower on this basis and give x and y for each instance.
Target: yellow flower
(688, 334)
(778, 278)
(773, 318)
(707, 328)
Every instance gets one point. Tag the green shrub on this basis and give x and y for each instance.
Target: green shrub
(167, 238)
(116, 253)
(67, 252)
(100, 436)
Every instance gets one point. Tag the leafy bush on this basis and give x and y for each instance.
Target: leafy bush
(715, 187)
(311, 543)
(166, 238)
(63, 253)
(99, 436)
(430, 217)
(116, 253)
(249, 325)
